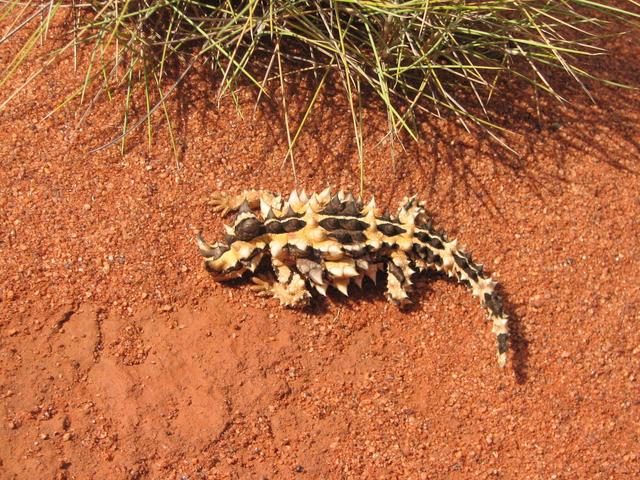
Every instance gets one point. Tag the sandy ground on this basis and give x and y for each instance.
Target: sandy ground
(121, 358)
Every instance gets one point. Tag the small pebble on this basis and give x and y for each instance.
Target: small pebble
(536, 301)
(66, 437)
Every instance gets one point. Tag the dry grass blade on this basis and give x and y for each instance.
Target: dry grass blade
(434, 56)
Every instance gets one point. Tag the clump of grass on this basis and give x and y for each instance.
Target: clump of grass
(414, 56)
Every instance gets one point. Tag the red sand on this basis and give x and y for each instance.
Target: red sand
(120, 358)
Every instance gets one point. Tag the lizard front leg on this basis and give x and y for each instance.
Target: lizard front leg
(226, 203)
(288, 286)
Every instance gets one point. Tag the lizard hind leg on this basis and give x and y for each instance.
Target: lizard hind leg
(288, 287)
(399, 282)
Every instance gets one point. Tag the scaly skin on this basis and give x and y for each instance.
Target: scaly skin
(323, 241)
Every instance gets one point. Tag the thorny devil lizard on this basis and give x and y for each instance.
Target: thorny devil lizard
(324, 240)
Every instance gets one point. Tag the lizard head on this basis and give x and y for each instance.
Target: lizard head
(229, 260)
(220, 260)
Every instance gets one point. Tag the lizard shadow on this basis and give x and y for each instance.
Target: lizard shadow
(518, 342)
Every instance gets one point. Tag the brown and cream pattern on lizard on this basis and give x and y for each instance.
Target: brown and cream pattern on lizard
(321, 240)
